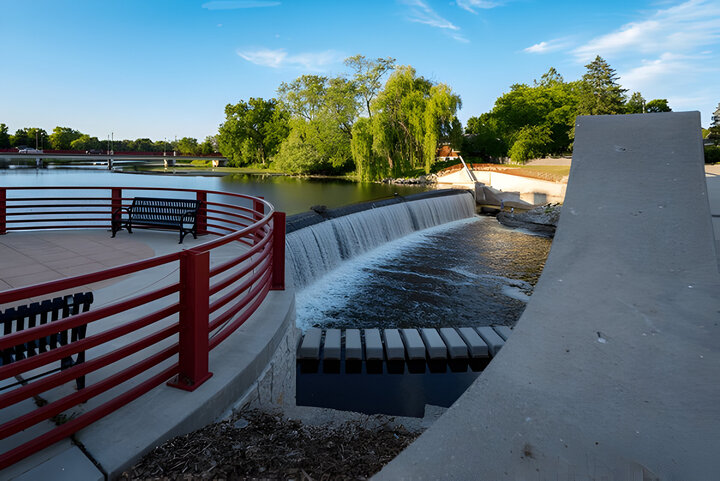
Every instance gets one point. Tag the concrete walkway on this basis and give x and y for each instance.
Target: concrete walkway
(116, 441)
(611, 372)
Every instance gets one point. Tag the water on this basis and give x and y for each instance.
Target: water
(318, 249)
(288, 194)
(470, 272)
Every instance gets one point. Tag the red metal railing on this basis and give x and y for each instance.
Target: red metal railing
(136, 343)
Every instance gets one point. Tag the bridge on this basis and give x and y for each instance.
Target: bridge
(109, 158)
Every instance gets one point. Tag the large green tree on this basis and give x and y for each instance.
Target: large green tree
(29, 137)
(62, 137)
(636, 104)
(539, 119)
(410, 117)
(252, 131)
(600, 92)
(658, 105)
(85, 143)
(4, 137)
(322, 112)
(714, 129)
(368, 75)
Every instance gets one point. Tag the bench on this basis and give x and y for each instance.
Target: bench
(15, 319)
(178, 214)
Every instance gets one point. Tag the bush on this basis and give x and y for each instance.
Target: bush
(712, 154)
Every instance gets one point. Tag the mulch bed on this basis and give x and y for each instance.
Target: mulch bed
(255, 445)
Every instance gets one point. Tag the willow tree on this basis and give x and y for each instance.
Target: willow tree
(409, 117)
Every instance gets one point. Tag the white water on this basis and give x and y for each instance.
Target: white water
(318, 249)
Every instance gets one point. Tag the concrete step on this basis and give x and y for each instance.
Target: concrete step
(401, 344)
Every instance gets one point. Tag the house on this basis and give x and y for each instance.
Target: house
(445, 152)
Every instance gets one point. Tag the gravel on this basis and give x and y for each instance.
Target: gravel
(259, 445)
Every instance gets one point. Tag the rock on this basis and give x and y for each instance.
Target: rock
(542, 219)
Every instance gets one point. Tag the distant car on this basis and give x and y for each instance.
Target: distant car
(28, 150)
(94, 151)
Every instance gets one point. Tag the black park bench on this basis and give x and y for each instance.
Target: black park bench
(15, 319)
(180, 214)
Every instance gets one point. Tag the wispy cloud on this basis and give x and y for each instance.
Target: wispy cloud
(279, 58)
(471, 5)
(549, 46)
(682, 28)
(236, 4)
(421, 12)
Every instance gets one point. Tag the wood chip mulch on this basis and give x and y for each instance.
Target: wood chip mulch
(255, 445)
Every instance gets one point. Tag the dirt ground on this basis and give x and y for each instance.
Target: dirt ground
(257, 445)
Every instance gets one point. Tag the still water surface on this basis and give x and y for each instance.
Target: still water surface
(288, 194)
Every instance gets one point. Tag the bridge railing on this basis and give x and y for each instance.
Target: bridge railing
(196, 299)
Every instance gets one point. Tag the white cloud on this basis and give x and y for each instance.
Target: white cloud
(236, 4)
(279, 58)
(421, 12)
(682, 28)
(549, 46)
(471, 5)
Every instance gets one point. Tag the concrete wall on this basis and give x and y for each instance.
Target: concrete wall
(534, 191)
(611, 372)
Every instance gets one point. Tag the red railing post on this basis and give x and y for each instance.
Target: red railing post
(115, 204)
(3, 211)
(258, 213)
(194, 319)
(278, 252)
(201, 196)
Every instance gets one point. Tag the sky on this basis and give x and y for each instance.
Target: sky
(165, 69)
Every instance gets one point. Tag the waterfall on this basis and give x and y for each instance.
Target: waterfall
(317, 249)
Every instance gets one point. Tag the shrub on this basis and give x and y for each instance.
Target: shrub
(712, 154)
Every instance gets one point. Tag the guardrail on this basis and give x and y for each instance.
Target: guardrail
(136, 343)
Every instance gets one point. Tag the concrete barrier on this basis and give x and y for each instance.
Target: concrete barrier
(612, 370)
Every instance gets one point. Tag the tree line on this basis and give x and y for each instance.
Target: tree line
(538, 120)
(344, 124)
(66, 138)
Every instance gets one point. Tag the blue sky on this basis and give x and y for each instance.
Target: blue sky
(166, 69)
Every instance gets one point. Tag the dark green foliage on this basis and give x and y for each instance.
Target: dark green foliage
(712, 154)
(658, 105)
(252, 131)
(4, 137)
(600, 94)
(635, 104)
(714, 129)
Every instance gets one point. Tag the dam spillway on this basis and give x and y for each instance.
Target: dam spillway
(317, 249)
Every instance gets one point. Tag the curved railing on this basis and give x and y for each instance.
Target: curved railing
(198, 297)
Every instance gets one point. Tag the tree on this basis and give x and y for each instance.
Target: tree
(531, 142)
(85, 143)
(62, 137)
(600, 94)
(658, 105)
(209, 145)
(715, 126)
(4, 137)
(368, 76)
(29, 137)
(188, 146)
(252, 131)
(410, 116)
(635, 104)
(322, 112)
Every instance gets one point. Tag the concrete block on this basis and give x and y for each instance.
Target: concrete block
(433, 343)
(455, 345)
(492, 339)
(353, 345)
(503, 331)
(373, 345)
(477, 347)
(394, 348)
(413, 344)
(310, 347)
(331, 351)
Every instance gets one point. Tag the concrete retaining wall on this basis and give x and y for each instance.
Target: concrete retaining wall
(611, 372)
(513, 187)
